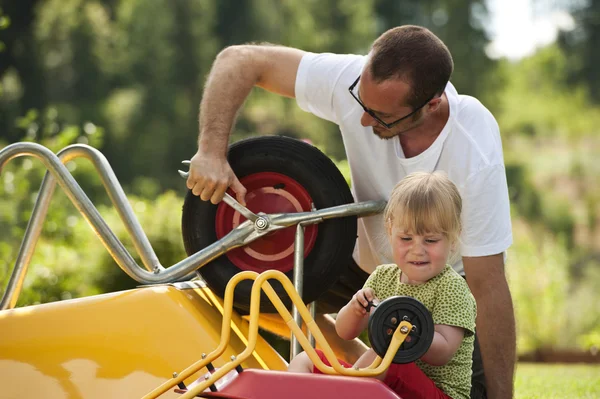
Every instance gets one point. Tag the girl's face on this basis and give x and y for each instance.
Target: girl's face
(420, 257)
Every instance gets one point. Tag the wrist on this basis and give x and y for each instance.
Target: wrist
(212, 148)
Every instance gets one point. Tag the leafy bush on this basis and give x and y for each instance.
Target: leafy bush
(552, 309)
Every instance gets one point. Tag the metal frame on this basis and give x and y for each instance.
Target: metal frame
(152, 272)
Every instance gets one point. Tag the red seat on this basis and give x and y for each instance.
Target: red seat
(267, 384)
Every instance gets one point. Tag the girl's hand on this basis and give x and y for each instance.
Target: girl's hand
(363, 299)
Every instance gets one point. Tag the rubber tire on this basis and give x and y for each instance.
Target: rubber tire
(313, 170)
(398, 307)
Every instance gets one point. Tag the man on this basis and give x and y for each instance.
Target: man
(397, 113)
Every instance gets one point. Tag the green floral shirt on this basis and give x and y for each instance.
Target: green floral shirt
(448, 298)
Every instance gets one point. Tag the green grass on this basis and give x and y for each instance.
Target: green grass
(563, 381)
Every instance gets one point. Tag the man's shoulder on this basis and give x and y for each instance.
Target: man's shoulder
(475, 133)
(470, 111)
(332, 63)
(322, 82)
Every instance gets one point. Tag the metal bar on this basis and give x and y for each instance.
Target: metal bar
(224, 337)
(119, 199)
(313, 313)
(32, 233)
(366, 208)
(295, 347)
(242, 235)
(245, 212)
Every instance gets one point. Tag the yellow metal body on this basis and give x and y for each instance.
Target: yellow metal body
(119, 345)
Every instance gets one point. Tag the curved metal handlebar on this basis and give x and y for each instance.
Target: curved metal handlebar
(244, 234)
(378, 366)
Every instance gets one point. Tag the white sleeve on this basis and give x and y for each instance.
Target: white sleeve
(486, 221)
(321, 78)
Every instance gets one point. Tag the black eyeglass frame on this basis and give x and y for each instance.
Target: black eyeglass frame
(372, 114)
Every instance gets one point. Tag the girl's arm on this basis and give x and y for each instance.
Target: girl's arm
(353, 318)
(446, 341)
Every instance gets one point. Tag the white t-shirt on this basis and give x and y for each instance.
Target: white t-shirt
(468, 149)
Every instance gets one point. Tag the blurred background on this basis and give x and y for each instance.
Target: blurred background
(126, 77)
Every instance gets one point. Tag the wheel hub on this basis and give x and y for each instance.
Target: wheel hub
(268, 193)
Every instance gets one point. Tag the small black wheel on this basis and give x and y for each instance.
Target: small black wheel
(282, 175)
(386, 317)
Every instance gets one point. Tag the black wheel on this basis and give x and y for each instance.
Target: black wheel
(386, 317)
(281, 175)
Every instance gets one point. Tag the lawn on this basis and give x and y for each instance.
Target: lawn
(563, 381)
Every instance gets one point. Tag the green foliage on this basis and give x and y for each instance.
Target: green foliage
(60, 269)
(55, 272)
(4, 23)
(546, 295)
(344, 167)
(538, 101)
(541, 208)
(580, 45)
(160, 220)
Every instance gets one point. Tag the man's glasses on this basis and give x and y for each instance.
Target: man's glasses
(372, 114)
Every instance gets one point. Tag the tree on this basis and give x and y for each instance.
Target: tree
(581, 45)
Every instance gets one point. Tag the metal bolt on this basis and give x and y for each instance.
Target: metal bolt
(175, 375)
(405, 318)
(404, 329)
(206, 377)
(204, 356)
(394, 320)
(232, 358)
(261, 223)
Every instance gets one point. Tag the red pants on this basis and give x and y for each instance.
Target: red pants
(407, 380)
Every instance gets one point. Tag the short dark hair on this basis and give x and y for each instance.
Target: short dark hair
(415, 55)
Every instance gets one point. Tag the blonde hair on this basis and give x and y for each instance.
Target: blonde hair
(424, 203)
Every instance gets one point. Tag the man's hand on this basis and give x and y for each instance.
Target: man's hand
(361, 300)
(210, 176)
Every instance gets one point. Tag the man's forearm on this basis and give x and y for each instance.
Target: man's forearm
(495, 322)
(232, 77)
(497, 340)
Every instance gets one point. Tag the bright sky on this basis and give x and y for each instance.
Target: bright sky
(516, 32)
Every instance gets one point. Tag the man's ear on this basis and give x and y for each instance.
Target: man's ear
(434, 104)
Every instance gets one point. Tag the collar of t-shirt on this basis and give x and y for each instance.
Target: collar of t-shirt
(428, 159)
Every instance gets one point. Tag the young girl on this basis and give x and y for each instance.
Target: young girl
(422, 220)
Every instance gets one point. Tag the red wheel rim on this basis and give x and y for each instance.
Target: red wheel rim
(268, 192)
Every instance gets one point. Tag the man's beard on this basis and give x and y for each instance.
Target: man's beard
(387, 134)
(381, 133)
